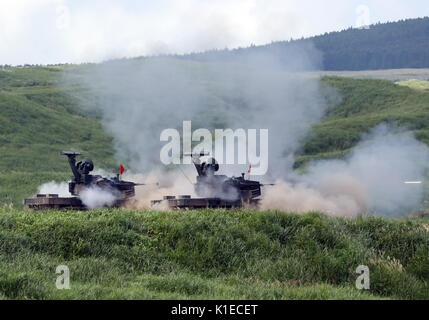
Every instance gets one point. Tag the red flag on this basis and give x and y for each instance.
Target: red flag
(250, 168)
(122, 169)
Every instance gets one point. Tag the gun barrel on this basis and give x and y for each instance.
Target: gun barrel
(146, 184)
(201, 154)
(71, 155)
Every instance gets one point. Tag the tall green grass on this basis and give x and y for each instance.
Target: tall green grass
(210, 255)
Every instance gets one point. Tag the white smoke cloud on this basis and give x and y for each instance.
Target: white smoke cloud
(382, 163)
(370, 180)
(140, 99)
(92, 197)
(62, 189)
(95, 197)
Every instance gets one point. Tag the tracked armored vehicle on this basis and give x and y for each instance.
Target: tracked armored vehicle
(214, 191)
(122, 191)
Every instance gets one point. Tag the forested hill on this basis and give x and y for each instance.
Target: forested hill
(402, 44)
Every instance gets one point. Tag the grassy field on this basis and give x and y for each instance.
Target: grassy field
(210, 255)
(40, 116)
(395, 75)
(418, 85)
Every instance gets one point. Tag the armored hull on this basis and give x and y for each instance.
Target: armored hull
(54, 202)
(214, 191)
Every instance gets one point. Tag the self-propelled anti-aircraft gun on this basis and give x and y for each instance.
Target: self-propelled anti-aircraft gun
(82, 180)
(214, 190)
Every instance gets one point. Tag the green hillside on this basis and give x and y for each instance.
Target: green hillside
(118, 254)
(365, 103)
(41, 116)
(37, 120)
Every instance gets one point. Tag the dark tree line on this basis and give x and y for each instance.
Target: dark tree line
(402, 44)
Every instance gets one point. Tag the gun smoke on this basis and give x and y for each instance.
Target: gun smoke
(369, 180)
(91, 197)
(95, 197)
(62, 188)
(138, 99)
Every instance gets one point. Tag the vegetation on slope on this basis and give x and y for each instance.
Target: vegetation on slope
(392, 45)
(210, 255)
(37, 120)
(418, 85)
(364, 104)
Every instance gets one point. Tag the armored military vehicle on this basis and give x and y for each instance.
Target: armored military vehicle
(214, 191)
(83, 180)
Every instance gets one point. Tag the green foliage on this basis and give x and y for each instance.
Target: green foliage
(209, 255)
